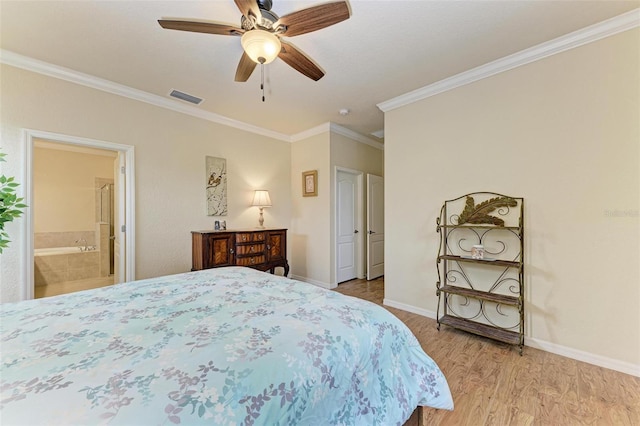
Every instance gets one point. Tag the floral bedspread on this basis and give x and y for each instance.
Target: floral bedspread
(227, 346)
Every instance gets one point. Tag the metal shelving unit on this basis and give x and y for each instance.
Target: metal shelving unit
(484, 296)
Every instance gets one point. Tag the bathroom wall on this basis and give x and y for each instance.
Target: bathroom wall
(65, 192)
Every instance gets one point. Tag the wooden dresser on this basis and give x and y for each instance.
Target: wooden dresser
(263, 249)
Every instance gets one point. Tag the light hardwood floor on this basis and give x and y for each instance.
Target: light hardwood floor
(492, 384)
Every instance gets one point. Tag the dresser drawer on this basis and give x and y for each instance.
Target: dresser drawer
(250, 260)
(250, 249)
(250, 237)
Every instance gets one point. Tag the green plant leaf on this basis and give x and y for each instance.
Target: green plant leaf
(11, 205)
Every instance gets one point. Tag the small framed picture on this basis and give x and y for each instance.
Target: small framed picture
(310, 183)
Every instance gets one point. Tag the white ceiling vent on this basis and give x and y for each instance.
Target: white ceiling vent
(185, 97)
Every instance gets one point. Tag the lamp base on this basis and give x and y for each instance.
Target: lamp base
(261, 219)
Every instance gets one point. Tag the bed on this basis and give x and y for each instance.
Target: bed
(226, 346)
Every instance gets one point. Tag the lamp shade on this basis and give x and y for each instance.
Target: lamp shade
(261, 46)
(261, 198)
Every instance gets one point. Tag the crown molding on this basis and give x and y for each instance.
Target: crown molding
(378, 134)
(589, 34)
(19, 61)
(322, 128)
(336, 128)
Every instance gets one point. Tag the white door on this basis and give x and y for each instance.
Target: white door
(375, 226)
(119, 220)
(346, 225)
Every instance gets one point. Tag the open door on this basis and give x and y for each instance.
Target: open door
(375, 226)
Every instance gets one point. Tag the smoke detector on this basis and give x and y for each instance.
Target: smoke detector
(344, 111)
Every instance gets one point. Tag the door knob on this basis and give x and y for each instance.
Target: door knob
(371, 232)
(356, 231)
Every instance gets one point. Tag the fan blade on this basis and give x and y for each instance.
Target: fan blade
(299, 61)
(315, 18)
(245, 68)
(201, 27)
(248, 7)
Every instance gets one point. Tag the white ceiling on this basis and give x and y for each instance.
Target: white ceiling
(386, 49)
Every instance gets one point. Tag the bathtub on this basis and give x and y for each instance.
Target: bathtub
(56, 250)
(61, 264)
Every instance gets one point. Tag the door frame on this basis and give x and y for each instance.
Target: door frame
(127, 197)
(359, 243)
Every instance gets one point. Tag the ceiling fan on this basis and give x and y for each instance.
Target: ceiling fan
(261, 32)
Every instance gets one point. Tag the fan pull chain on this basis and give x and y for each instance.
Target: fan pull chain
(262, 80)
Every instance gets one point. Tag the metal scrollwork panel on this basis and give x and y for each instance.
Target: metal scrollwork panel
(501, 316)
(499, 243)
(483, 277)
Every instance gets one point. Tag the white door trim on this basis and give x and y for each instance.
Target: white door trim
(359, 223)
(128, 197)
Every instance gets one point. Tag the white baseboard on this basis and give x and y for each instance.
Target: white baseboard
(409, 308)
(317, 283)
(599, 360)
(578, 355)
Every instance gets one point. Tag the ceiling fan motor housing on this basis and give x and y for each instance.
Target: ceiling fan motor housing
(265, 4)
(264, 22)
(267, 19)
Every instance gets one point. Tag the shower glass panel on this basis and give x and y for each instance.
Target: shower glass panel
(106, 216)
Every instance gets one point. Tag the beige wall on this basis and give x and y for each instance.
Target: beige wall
(170, 150)
(64, 189)
(564, 134)
(351, 154)
(310, 216)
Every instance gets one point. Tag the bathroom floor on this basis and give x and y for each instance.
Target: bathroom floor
(71, 286)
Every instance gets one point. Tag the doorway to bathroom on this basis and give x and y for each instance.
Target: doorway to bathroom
(81, 205)
(72, 209)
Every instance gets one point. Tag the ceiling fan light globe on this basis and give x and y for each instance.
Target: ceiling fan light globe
(261, 46)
